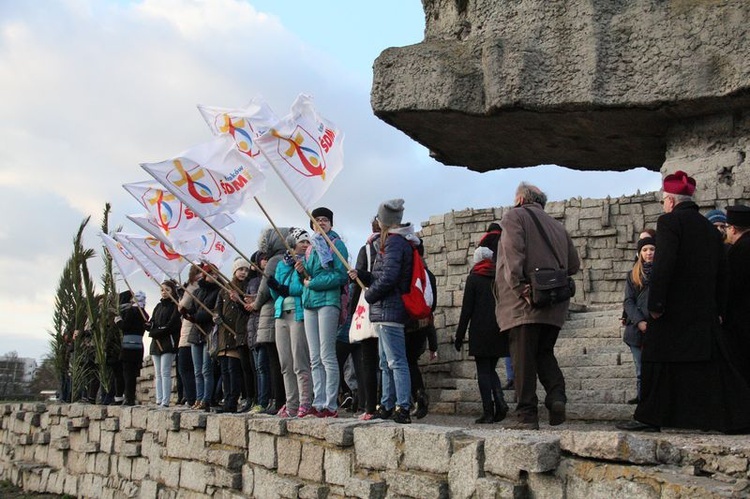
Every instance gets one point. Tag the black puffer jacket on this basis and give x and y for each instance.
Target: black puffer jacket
(232, 331)
(390, 278)
(165, 328)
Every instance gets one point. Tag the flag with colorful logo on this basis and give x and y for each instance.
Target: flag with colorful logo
(147, 266)
(210, 178)
(306, 150)
(244, 125)
(158, 252)
(124, 259)
(210, 247)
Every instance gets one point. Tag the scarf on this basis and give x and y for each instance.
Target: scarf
(321, 247)
(485, 268)
(647, 266)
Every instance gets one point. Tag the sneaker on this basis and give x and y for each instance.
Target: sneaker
(347, 402)
(304, 410)
(327, 413)
(256, 409)
(383, 413)
(401, 416)
(283, 413)
(366, 416)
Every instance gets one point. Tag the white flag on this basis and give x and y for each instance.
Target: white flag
(210, 178)
(244, 125)
(306, 150)
(158, 252)
(148, 267)
(124, 259)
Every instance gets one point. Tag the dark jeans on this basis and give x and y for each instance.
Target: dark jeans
(415, 347)
(488, 380)
(130, 372)
(248, 372)
(187, 373)
(532, 350)
(343, 351)
(368, 383)
(260, 355)
(231, 379)
(278, 393)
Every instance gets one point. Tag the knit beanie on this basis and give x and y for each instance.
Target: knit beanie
(646, 241)
(296, 236)
(482, 253)
(391, 212)
(716, 216)
(240, 263)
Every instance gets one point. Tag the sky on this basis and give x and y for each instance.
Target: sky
(92, 88)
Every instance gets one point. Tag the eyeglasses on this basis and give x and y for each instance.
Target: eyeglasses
(322, 220)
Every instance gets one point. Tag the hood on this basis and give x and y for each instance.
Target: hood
(270, 244)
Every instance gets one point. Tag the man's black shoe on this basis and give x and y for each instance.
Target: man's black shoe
(401, 416)
(383, 413)
(635, 425)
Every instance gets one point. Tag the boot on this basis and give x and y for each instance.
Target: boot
(421, 404)
(488, 416)
(501, 407)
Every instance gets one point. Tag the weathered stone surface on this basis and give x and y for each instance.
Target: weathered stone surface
(289, 456)
(466, 466)
(311, 462)
(268, 485)
(274, 426)
(588, 85)
(611, 445)
(193, 419)
(262, 449)
(509, 452)
(378, 446)
(338, 466)
(428, 448)
(414, 484)
(311, 427)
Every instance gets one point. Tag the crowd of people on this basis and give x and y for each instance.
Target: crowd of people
(273, 337)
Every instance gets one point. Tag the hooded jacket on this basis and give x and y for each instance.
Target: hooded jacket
(271, 245)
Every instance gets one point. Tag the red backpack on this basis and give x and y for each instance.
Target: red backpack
(418, 300)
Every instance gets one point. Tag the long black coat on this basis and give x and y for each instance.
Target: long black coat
(165, 328)
(737, 321)
(478, 314)
(688, 285)
(635, 305)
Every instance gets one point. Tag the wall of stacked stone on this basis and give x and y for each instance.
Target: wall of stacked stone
(112, 452)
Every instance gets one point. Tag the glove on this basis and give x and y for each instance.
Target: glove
(458, 343)
(149, 325)
(281, 289)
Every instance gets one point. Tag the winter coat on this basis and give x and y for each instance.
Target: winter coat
(324, 288)
(207, 293)
(372, 246)
(522, 249)
(477, 315)
(688, 286)
(132, 325)
(165, 328)
(390, 278)
(635, 305)
(253, 283)
(273, 247)
(186, 303)
(286, 275)
(737, 321)
(233, 316)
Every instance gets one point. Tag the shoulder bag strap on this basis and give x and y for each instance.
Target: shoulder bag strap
(544, 235)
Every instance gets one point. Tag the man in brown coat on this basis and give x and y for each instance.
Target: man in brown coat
(532, 330)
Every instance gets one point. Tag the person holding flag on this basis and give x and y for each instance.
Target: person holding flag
(321, 298)
(131, 320)
(164, 331)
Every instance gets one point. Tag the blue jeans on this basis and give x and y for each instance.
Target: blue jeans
(636, 351)
(203, 369)
(263, 369)
(510, 374)
(163, 377)
(321, 326)
(396, 382)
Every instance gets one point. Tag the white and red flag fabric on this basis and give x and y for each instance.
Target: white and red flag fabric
(124, 259)
(244, 125)
(210, 247)
(147, 266)
(306, 150)
(158, 252)
(210, 178)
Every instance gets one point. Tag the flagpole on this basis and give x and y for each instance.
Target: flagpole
(315, 223)
(286, 245)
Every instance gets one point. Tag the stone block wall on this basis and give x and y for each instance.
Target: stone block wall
(115, 452)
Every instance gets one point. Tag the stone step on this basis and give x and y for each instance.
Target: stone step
(606, 372)
(595, 359)
(588, 343)
(590, 332)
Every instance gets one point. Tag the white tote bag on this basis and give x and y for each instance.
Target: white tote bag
(361, 327)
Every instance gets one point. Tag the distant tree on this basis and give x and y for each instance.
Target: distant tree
(12, 382)
(45, 377)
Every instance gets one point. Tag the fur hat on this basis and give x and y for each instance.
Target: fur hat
(321, 212)
(646, 241)
(715, 216)
(297, 236)
(391, 212)
(738, 215)
(482, 253)
(679, 183)
(240, 263)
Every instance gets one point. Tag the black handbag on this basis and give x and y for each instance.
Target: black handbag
(549, 286)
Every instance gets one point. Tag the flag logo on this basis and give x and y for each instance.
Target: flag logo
(197, 180)
(168, 209)
(161, 249)
(241, 131)
(302, 152)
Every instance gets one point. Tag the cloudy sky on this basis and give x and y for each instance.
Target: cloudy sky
(92, 88)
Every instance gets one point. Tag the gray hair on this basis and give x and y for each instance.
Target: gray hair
(530, 194)
(681, 198)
